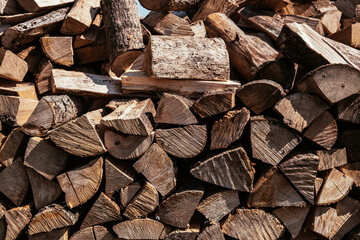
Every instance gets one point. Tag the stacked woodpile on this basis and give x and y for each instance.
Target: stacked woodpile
(207, 119)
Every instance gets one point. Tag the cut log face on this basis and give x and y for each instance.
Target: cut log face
(175, 109)
(349, 109)
(293, 218)
(229, 128)
(140, 229)
(81, 183)
(57, 234)
(182, 142)
(323, 131)
(51, 217)
(260, 95)
(18, 89)
(301, 171)
(219, 205)
(13, 145)
(40, 5)
(177, 209)
(323, 221)
(271, 140)
(352, 170)
(78, 137)
(253, 224)
(143, 203)
(331, 158)
(158, 169)
(127, 193)
(212, 232)
(231, 169)
(335, 187)
(59, 50)
(213, 103)
(17, 219)
(12, 67)
(14, 182)
(103, 210)
(333, 82)
(273, 190)
(92, 233)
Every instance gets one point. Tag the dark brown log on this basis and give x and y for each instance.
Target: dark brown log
(9, 7)
(189, 233)
(348, 35)
(42, 76)
(91, 35)
(59, 50)
(350, 139)
(8, 63)
(17, 219)
(349, 109)
(318, 184)
(81, 183)
(301, 171)
(182, 142)
(331, 158)
(39, 5)
(92, 53)
(253, 224)
(127, 193)
(31, 56)
(353, 171)
(347, 7)
(231, 169)
(123, 33)
(140, 229)
(270, 5)
(18, 89)
(93, 233)
(273, 190)
(229, 128)
(322, 221)
(212, 232)
(260, 95)
(13, 146)
(57, 234)
(169, 5)
(228, 7)
(271, 140)
(205, 59)
(51, 217)
(158, 169)
(213, 103)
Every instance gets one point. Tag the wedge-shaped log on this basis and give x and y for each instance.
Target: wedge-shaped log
(212, 232)
(18, 89)
(127, 193)
(140, 229)
(12, 147)
(42, 76)
(92, 233)
(17, 219)
(169, 5)
(40, 5)
(231, 169)
(81, 183)
(12, 67)
(322, 221)
(57, 234)
(349, 109)
(59, 50)
(352, 170)
(90, 35)
(213, 103)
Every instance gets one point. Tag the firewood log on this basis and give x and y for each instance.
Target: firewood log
(212, 232)
(18, 89)
(92, 53)
(12, 67)
(31, 55)
(189, 233)
(313, 23)
(352, 170)
(213, 103)
(123, 33)
(322, 221)
(81, 183)
(91, 34)
(347, 7)
(270, 5)
(127, 193)
(20, 17)
(13, 146)
(93, 233)
(350, 140)
(170, 5)
(348, 110)
(349, 53)
(42, 76)
(228, 7)
(182, 142)
(39, 5)
(331, 158)
(57, 234)
(318, 184)
(158, 169)
(17, 219)
(293, 218)
(331, 21)
(59, 50)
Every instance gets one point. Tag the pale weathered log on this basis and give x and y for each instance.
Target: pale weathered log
(17, 219)
(331, 21)
(91, 35)
(59, 50)
(253, 224)
(42, 76)
(170, 5)
(39, 5)
(331, 158)
(57, 234)
(18, 89)
(140, 229)
(127, 193)
(349, 109)
(12, 67)
(13, 146)
(352, 170)
(182, 142)
(19, 17)
(212, 232)
(229, 128)
(322, 221)
(158, 169)
(213, 103)
(231, 169)
(81, 183)
(271, 140)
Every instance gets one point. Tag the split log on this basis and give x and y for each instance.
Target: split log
(40, 5)
(43, 157)
(17, 219)
(57, 234)
(80, 17)
(322, 221)
(19, 17)
(323, 131)
(158, 169)
(205, 59)
(350, 139)
(218, 205)
(353, 171)
(231, 169)
(140, 229)
(229, 128)
(318, 184)
(213, 103)
(301, 171)
(299, 110)
(42, 76)
(271, 140)
(189, 233)
(347, 7)
(51, 112)
(91, 35)
(332, 82)
(178, 208)
(212, 232)
(175, 109)
(121, 20)
(51, 217)
(314, 23)
(331, 21)
(117, 175)
(134, 118)
(253, 224)
(13, 146)
(228, 7)
(270, 5)
(182, 142)
(349, 53)
(293, 218)
(331, 158)
(59, 50)
(23, 33)
(80, 184)
(335, 187)
(14, 182)
(103, 210)
(31, 56)
(78, 137)
(127, 193)
(273, 190)
(44, 191)
(93, 53)
(260, 95)
(12, 67)
(93, 233)
(79, 83)
(349, 109)
(123, 103)
(170, 5)
(143, 203)
(18, 89)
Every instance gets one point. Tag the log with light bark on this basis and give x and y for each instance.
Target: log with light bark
(80, 184)
(18, 89)
(137, 229)
(228, 7)
(40, 5)
(348, 110)
(123, 33)
(170, 5)
(91, 34)
(182, 142)
(17, 219)
(352, 170)
(213, 103)
(127, 193)
(12, 67)
(42, 76)
(212, 232)
(14, 145)
(322, 221)
(59, 50)
(331, 158)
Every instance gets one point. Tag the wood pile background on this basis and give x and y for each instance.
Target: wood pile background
(207, 119)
